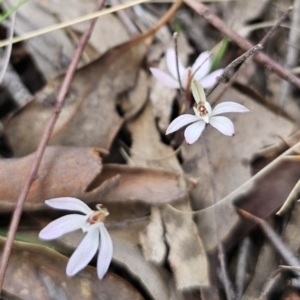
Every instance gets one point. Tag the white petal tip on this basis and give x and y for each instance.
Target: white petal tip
(101, 276)
(70, 274)
(168, 131)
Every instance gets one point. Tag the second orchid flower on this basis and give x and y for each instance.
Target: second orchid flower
(199, 72)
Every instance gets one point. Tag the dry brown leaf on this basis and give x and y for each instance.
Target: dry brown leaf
(127, 256)
(147, 150)
(266, 264)
(231, 156)
(241, 13)
(108, 32)
(51, 52)
(83, 120)
(134, 101)
(59, 176)
(78, 172)
(187, 255)
(37, 272)
(152, 238)
(262, 195)
(130, 258)
(290, 233)
(150, 186)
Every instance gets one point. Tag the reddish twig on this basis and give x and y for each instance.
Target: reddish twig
(273, 237)
(243, 43)
(42, 146)
(175, 35)
(232, 65)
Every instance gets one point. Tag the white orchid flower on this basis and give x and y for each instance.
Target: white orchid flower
(97, 237)
(205, 115)
(199, 71)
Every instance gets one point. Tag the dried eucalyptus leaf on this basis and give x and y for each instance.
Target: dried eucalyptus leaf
(56, 176)
(37, 272)
(148, 185)
(83, 120)
(262, 195)
(152, 238)
(187, 255)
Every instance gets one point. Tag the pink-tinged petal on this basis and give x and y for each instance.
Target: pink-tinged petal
(180, 122)
(62, 226)
(84, 252)
(165, 78)
(105, 252)
(208, 81)
(198, 92)
(171, 63)
(69, 203)
(193, 132)
(228, 107)
(223, 124)
(203, 64)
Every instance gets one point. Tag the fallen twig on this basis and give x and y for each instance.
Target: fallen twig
(9, 47)
(292, 51)
(236, 62)
(243, 43)
(273, 237)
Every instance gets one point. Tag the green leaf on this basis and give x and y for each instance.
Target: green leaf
(219, 52)
(7, 13)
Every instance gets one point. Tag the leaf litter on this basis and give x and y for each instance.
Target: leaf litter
(166, 218)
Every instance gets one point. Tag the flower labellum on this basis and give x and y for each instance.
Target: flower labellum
(205, 115)
(199, 72)
(92, 223)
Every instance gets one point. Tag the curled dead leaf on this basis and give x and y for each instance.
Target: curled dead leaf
(146, 185)
(78, 172)
(187, 254)
(262, 196)
(83, 120)
(37, 272)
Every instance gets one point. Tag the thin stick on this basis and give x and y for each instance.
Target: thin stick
(42, 146)
(289, 268)
(243, 43)
(264, 39)
(74, 21)
(232, 65)
(9, 47)
(249, 53)
(184, 93)
(175, 35)
(292, 52)
(285, 253)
